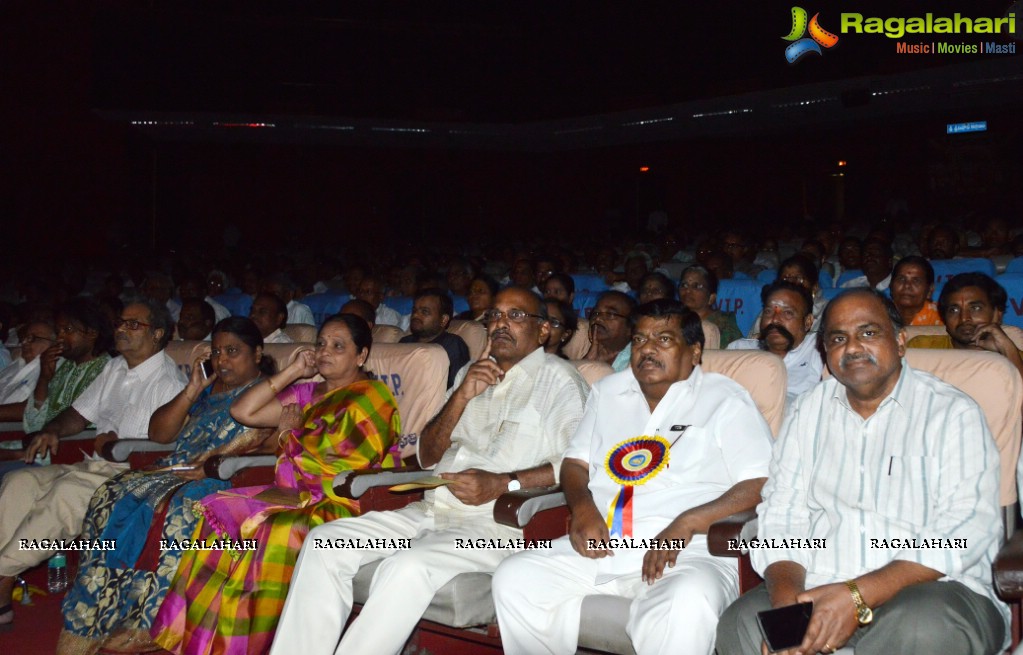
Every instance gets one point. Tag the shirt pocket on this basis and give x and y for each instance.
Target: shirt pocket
(516, 435)
(901, 493)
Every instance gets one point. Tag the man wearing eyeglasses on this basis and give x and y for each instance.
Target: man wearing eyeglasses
(504, 426)
(610, 330)
(49, 502)
(663, 450)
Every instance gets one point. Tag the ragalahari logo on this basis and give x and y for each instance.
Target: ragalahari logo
(801, 45)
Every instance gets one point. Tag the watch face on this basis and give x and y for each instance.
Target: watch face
(864, 615)
(514, 485)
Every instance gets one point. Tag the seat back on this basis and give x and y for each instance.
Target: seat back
(326, 304)
(387, 334)
(473, 334)
(580, 341)
(762, 374)
(1013, 283)
(301, 333)
(1014, 265)
(741, 297)
(237, 303)
(417, 375)
(946, 269)
(589, 282)
(996, 386)
(592, 371)
(184, 353)
(284, 353)
(848, 275)
(711, 336)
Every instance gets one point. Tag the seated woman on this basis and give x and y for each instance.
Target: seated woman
(229, 601)
(563, 325)
(117, 593)
(560, 286)
(698, 291)
(481, 294)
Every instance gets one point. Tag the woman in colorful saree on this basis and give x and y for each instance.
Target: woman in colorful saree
(117, 593)
(228, 601)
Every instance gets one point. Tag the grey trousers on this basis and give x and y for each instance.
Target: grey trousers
(934, 617)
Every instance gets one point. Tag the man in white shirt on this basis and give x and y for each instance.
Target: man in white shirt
(49, 502)
(284, 288)
(785, 331)
(19, 379)
(505, 424)
(703, 455)
(896, 473)
(877, 267)
(371, 289)
(270, 315)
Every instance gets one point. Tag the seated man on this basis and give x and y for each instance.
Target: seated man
(849, 473)
(49, 502)
(19, 379)
(431, 312)
(285, 288)
(609, 329)
(270, 314)
(722, 445)
(69, 365)
(504, 427)
(785, 331)
(360, 308)
(877, 267)
(911, 289)
(195, 287)
(371, 290)
(196, 320)
(972, 306)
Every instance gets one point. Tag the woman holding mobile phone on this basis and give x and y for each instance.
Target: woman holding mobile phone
(116, 595)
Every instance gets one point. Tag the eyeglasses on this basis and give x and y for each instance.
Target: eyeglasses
(514, 315)
(130, 324)
(685, 286)
(31, 338)
(555, 323)
(605, 314)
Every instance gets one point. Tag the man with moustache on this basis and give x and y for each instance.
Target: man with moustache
(609, 329)
(270, 314)
(432, 310)
(702, 447)
(505, 425)
(972, 306)
(785, 326)
(878, 452)
(49, 502)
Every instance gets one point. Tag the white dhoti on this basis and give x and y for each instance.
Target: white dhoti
(539, 594)
(320, 599)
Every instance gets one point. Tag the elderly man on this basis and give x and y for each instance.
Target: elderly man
(371, 290)
(911, 289)
(609, 329)
(432, 310)
(785, 326)
(270, 314)
(504, 426)
(360, 308)
(703, 455)
(196, 320)
(972, 306)
(49, 502)
(19, 379)
(875, 462)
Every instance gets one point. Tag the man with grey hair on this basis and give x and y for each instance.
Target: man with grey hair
(50, 502)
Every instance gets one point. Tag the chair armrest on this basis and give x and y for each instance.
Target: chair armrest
(1007, 569)
(730, 528)
(223, 467)
(353, 484)
(120, 450)
(12, 426)
(517, 508)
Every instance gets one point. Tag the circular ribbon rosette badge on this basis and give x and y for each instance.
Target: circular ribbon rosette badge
(631, 463)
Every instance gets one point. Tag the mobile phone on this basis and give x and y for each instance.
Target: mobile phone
(207, 369)
(785, 627)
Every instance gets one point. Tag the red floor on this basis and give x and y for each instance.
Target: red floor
(36, 626)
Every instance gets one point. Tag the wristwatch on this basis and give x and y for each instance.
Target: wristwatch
(514, 484)
(864, 615)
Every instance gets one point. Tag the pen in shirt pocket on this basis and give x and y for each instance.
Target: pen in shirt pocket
(890, 460)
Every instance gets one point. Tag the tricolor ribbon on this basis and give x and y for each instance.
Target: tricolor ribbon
(631, 463)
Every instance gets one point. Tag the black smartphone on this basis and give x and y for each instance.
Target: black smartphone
(786, 626)
(207, 368)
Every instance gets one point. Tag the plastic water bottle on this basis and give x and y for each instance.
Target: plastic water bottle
(56, 573)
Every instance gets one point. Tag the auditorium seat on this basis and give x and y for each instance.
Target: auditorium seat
(301, 333)
(848, 275)
(946, 269)
(580, 342)
(1013, 283)
(237, 303)
(473, 333)
(741, 297)
(326, 304)
(387, 334)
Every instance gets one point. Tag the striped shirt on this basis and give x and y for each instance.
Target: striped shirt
(68, 382)
(924, 466)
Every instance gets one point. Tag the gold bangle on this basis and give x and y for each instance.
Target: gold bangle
(280, 438)
(272, 387)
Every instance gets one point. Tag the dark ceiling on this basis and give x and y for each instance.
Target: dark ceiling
(485, 62)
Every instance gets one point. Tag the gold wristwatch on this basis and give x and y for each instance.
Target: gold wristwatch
(864, 615)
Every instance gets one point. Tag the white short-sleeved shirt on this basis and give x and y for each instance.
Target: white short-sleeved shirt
(219, 311)
(122, 399)
(726, 441)
(523, 421)
(18, 381)
(300, 314)
(803, 363)
(277, 336)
